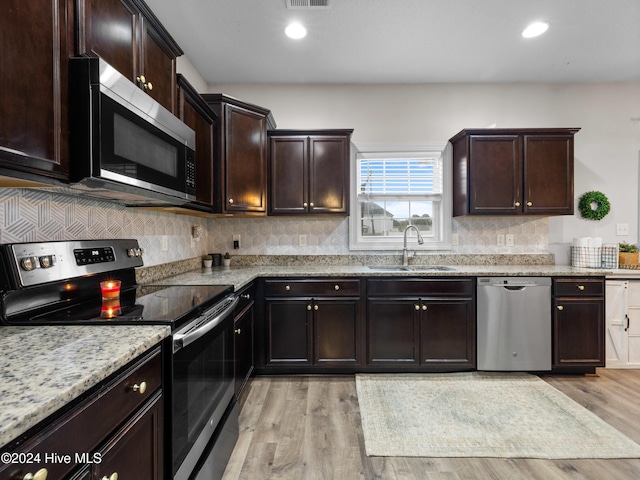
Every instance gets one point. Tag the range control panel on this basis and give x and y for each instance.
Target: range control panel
(42, 262)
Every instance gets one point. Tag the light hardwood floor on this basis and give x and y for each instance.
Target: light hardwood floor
(308, 428)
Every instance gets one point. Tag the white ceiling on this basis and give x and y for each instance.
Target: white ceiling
(407, 41)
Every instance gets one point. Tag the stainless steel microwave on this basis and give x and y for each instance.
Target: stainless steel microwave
(124, 145)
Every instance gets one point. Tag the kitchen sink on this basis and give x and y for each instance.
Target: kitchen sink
(413, 268)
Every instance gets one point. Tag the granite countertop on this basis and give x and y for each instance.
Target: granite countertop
(44, 368)
(241, 276)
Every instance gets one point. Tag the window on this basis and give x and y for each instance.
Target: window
(396, 187)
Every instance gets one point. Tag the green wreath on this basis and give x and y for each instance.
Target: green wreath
(586, 205)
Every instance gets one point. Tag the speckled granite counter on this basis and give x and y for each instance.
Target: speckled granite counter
(240, 276)
(44, 368)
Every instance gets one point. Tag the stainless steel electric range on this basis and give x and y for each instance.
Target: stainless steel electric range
(76, 282)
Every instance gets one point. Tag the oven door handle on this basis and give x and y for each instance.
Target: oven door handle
(181, 340)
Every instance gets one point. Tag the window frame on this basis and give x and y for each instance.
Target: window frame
(357, 242)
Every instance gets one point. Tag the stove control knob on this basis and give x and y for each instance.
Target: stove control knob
(28, 263)
(47, 261)
(134, 252)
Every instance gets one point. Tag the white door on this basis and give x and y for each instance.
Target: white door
(617, 344)
(633, 324)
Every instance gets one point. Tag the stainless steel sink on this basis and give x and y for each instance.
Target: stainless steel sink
(413, 268)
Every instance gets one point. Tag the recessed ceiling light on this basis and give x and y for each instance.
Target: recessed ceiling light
(295, 31)
(535, 29)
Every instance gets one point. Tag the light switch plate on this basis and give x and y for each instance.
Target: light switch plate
(302, 240)
(622, 229)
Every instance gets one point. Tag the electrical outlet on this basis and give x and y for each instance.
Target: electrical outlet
(622, 229)
(302, 240)
(500, 240)
(455, 240)
(165, 243)
(510, 240)
(236, 241)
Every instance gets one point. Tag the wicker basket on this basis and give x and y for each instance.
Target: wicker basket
(627, 258)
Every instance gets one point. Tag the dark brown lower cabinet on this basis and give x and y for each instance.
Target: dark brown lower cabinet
(335, 332)
(578, 324)
(393, 328)
(421, 333)
(116, 429)
(136, 449)
(321, 332)
(448, 335)
(243, 338)
(311, 325)
(403, 324)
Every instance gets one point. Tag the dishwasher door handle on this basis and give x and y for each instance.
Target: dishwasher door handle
(514, 288)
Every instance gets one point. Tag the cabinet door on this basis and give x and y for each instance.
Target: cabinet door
(392, 332)
(158, 67)
(578, 332)
(33, 111)
(243, 344)
(617, 339)
(288, 168)
(136, 451)
(197, 115)
(633, 323)
(495, 171)
(328, 174)
(336, 332)
(109, 29)
(548, 174)
(288, 334)
(245, 164)
(447, 334)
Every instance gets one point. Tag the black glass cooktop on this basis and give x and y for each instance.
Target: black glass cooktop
(171, 305)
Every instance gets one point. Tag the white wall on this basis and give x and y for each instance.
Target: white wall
(607, 149)
(186, 68)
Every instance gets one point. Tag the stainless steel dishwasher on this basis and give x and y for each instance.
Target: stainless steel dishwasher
(514, 323)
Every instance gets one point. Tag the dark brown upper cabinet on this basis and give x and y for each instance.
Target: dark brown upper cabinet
(309, 172)
(513, 171)
(196, 113)
(240, 156)
(37, 39)
(128, 36)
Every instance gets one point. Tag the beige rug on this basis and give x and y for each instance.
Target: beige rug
(480, 415)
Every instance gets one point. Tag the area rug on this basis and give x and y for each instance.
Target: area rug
(512, 415)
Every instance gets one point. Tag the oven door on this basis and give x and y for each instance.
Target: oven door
(201, 383)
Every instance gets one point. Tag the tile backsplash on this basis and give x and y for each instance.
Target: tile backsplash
(28, 215)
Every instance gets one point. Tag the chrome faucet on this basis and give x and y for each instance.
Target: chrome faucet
(405, 254)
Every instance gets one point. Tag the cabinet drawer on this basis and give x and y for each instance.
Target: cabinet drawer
(310, 288)
(246, 297)
(421, 287)
(578, 287)
(85, 426)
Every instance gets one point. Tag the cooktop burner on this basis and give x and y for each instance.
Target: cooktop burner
(138, 305)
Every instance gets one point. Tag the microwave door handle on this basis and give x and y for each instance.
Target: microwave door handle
(181, 340)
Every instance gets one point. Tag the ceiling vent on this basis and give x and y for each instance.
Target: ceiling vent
(308, 4)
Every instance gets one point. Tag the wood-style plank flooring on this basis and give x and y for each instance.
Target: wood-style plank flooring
(308, 428)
